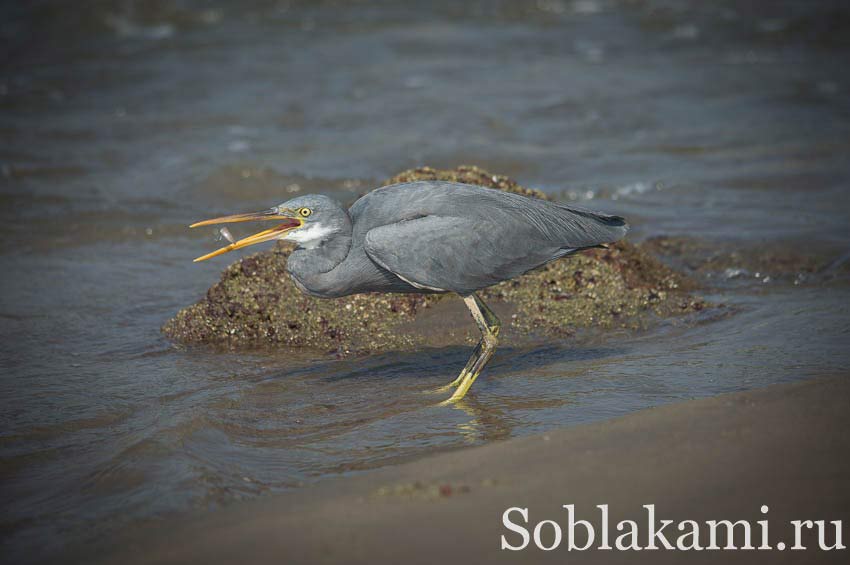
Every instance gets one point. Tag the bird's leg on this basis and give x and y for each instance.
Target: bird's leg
(489, 325)
(472, 359)
(492, 322)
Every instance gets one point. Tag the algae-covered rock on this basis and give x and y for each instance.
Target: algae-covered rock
(467, 174)
(255, 302)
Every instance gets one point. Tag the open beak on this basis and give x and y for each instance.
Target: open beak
(289, 224)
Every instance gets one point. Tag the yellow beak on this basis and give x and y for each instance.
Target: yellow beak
(289, 223)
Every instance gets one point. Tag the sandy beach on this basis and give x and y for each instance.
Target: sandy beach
(724, 457)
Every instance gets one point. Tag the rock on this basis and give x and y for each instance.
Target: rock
(256, 303)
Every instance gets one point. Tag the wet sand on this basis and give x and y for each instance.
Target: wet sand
(785, 446)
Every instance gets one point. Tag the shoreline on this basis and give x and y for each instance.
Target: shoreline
(720, 457)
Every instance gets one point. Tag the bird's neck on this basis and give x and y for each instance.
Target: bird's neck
(314, 268)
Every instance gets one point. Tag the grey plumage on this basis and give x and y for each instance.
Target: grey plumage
(432, 236)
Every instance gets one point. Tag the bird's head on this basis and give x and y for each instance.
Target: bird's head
(306, 220)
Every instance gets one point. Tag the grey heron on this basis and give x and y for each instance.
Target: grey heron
(426, 237)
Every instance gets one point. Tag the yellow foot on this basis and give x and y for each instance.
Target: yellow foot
(453, 400)
(461, 391)
(451, 385)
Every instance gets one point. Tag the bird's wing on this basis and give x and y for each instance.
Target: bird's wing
(455, 254)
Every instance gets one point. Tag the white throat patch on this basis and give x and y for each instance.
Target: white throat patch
(309, 236)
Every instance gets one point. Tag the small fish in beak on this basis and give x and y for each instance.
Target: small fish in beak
(225, 234)
(289, 218)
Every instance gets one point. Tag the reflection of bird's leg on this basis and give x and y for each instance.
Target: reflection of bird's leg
(489, 325)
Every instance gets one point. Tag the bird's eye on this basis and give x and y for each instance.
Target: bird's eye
(305, 212)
